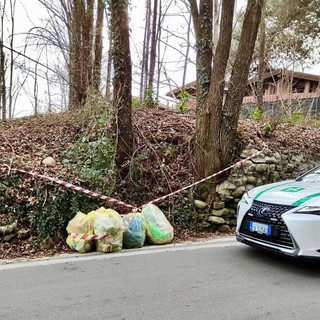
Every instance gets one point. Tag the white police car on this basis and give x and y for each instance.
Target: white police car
(283, 217)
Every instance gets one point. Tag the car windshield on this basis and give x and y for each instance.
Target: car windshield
(311, 176)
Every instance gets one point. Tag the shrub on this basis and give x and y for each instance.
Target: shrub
(184, 99)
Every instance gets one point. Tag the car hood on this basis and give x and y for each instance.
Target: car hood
(290, 192)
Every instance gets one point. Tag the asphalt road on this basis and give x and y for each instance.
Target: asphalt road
(213, 280)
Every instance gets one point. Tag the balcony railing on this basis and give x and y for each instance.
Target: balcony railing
(281, 97)
(272, 98)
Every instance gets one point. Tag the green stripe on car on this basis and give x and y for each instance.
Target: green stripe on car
(292, 189)
(265, 190)
(303, 200)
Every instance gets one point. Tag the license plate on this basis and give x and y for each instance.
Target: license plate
(260, 228)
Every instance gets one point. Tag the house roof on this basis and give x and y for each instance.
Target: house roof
(191, 87)
(289, 73)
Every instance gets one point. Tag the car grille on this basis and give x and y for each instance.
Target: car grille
(279, 232)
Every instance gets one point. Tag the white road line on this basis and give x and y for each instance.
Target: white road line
(74, 257)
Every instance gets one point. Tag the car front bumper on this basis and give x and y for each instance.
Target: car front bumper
(253, 242)
(302, 230)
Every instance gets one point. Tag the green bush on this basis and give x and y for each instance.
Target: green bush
(93, 161)
(136, 102)
(91, 157)
(295, 117)
(182, 213)
(256, 114)
(267, 128)
(55, 208)
(184, 99)
(149, 99)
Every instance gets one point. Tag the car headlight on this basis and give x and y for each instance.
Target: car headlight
(309, 210)
(246, 198)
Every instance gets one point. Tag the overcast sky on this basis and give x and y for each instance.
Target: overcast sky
(30, 13)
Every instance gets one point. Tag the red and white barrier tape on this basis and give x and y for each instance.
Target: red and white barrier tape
(76, 188)
(121, 203)
(87, 237)
(239, 163)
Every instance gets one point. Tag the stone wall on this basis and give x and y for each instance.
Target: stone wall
(10, 233)
(270, 166)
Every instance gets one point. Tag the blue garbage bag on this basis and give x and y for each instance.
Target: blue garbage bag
(134, 234)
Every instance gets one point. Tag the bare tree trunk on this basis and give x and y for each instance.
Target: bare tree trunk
(207, 148)
(49, 93)
(186, 60)
(147, 49)
(262, 58)
(48, 85)
(216, 15)
(122, 82)
(202, 20)
(87, 45)
(109, 61)
(98, 46)
(80, 17)
(35, 91)
(74, 24)
(217, 118)
(239, 79)
(145, 52)
(63, 92)
(153, 45)
(109, 71)
(159, 46)
(82, 51)
(3, 93)
(12, 10)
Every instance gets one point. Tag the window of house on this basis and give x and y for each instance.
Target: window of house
(298, 89)
(313, 86)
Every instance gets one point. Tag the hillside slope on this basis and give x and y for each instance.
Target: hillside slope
(161, 164)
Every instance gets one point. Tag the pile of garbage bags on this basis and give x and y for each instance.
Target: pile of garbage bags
(114, 232)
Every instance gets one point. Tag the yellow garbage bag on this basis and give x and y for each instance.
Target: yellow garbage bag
(81, 224)
(108, 222)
